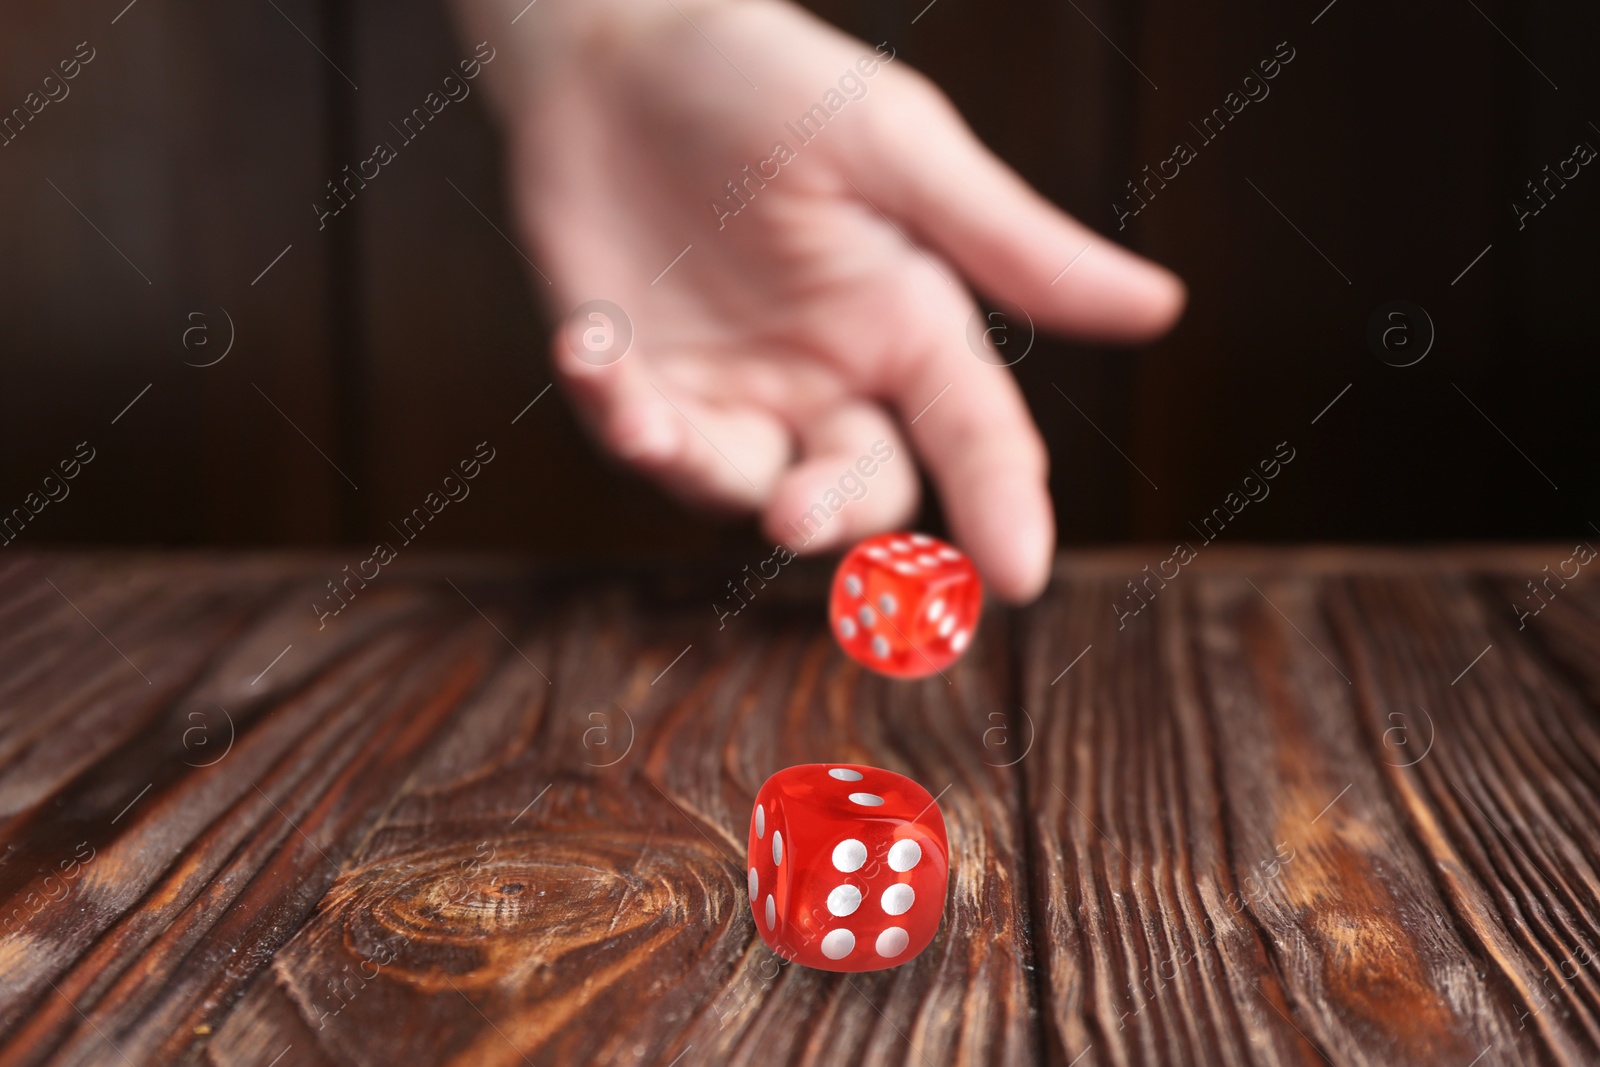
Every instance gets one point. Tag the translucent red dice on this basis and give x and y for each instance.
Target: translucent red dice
(848, 866)
(905, 604)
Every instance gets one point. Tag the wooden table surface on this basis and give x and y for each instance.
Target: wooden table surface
(1304, 806)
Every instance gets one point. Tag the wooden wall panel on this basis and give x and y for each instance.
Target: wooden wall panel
(198, 139)
(1377, 146)
(455, 332)
(191, 143)
(1547, 353)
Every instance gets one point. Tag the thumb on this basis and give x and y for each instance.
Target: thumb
(1011, 243)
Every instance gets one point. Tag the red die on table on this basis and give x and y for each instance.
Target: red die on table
(848, 866)
(905, 604)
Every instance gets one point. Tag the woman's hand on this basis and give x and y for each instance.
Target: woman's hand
(823, 308)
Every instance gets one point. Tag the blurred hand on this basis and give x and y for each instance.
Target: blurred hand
(831, 310)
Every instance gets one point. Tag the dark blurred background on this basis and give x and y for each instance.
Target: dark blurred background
(1391, 150)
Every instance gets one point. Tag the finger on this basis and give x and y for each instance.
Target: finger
(970, 425)
(724, 456)
(1011, 243)
(857, 478)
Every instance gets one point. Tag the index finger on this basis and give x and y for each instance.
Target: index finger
(968, 421)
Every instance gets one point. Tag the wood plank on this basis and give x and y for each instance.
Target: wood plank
(1506, 804)
(1553, 601)
(1374, 967)
(484, 808)
(531, 880)
(208, 869)
(102, 655)
(1111, 910)
(1226, 873)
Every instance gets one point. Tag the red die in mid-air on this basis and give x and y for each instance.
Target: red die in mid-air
(905, 604)
(848, 866)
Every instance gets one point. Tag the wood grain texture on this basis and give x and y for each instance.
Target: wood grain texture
(487, 814)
